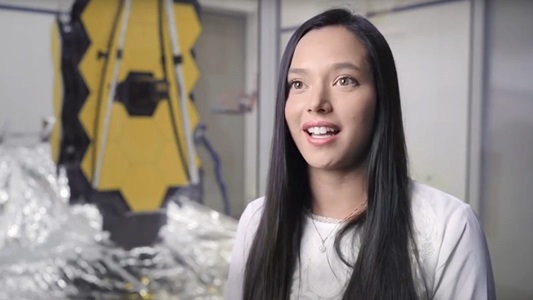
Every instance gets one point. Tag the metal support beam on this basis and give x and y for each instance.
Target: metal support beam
(269, 29)
(477, 91)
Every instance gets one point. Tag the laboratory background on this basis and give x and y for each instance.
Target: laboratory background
(133, 133)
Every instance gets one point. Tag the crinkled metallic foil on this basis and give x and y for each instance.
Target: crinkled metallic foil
(50, 249)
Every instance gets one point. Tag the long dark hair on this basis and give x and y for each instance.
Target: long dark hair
(383, 267)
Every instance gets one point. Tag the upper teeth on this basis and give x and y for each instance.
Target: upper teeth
(320, 130)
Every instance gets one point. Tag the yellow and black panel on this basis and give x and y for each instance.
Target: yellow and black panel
(123, 139)
(72, 140)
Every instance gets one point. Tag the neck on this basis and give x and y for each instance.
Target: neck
(336, 194)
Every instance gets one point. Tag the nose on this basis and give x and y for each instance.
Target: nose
(319, 101)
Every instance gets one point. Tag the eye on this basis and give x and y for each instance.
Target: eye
(296, 84)
(346, 81)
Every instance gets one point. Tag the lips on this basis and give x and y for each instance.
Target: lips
(321, 128)
(320, 133)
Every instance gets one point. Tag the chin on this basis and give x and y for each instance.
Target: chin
(332, 162)
(322, 164)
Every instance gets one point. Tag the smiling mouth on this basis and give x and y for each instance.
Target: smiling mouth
(321, 132)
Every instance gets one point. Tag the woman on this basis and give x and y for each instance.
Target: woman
(341, 218)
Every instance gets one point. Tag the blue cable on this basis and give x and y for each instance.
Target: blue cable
(202, 139)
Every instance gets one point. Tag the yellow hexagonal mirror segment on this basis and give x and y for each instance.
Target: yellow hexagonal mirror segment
(125, 73)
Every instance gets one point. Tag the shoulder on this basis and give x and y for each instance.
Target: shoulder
(439, 220)
(441, 223)
(446, 212)
(441, 203)
(249, 222)
(253, 211)
(452, 245)
(255, 205)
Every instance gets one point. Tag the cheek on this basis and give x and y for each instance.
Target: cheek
(368, 122)
(291, 116)
(369, 113)
(363, 116)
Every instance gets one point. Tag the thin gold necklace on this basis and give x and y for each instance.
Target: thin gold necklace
(322, 247)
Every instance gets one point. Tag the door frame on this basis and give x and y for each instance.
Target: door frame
(249, 10)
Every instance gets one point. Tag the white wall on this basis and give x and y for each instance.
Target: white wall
(26, 71)
(431, 48)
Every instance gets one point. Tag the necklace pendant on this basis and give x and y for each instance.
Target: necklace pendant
(322, 248)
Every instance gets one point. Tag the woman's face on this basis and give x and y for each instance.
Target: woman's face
(332, 99)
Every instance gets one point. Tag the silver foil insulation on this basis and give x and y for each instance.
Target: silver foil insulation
(51, 249)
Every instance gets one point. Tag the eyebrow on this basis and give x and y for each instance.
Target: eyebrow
(336, 66)
(298, 71)
(346, 65)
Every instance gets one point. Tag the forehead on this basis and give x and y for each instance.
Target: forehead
(327, 45)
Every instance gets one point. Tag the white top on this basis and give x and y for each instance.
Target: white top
(454, 259)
